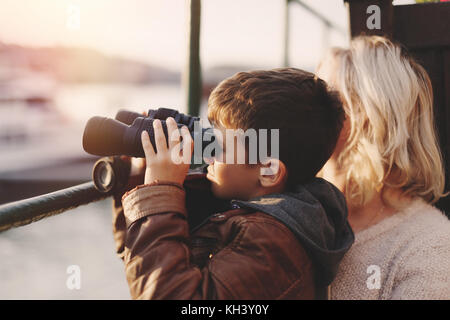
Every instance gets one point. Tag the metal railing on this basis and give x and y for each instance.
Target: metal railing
(19, 213)
(110, 174)
(26, 211)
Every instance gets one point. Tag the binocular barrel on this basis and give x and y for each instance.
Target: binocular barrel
(122, 136)
(127, 117)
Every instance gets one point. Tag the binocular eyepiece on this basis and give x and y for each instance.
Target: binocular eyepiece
(122, 135)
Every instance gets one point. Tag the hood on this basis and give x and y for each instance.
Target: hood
(316, 212)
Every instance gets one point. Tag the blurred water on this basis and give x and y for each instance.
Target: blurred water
(34, 258)
(35, 135)
(82, 101)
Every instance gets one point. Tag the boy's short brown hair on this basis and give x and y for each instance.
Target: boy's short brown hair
(308, 115)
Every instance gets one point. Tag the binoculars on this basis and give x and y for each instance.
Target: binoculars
(122, 135)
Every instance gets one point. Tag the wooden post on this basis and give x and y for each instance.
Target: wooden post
(192, 78)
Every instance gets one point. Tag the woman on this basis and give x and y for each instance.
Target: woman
(388, 165)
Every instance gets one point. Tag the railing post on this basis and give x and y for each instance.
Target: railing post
(192, 77)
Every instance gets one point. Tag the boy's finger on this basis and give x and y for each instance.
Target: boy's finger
(172, 132)
(160, 139)
(188, 145)
(147, 146)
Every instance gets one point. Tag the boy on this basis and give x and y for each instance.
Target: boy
(270, 234)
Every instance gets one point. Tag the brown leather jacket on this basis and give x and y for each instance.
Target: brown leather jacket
(235, 254)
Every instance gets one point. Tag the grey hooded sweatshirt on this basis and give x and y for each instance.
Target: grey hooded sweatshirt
(316, 212)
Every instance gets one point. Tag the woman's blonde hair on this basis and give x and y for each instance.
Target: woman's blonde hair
(388, 101)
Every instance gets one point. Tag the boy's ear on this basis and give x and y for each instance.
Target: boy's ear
(272, 173)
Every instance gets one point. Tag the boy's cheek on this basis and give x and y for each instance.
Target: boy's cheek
(218, 191)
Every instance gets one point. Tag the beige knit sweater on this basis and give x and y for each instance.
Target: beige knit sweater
(405, 256)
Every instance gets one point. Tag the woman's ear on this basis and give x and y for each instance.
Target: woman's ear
(272, 173)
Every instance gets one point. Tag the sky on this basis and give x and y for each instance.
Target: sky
(233, 32)
(239, 32)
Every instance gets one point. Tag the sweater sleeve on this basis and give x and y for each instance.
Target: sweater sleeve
(425, 272)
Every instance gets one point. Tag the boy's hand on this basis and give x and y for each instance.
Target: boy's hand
(167, 163)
